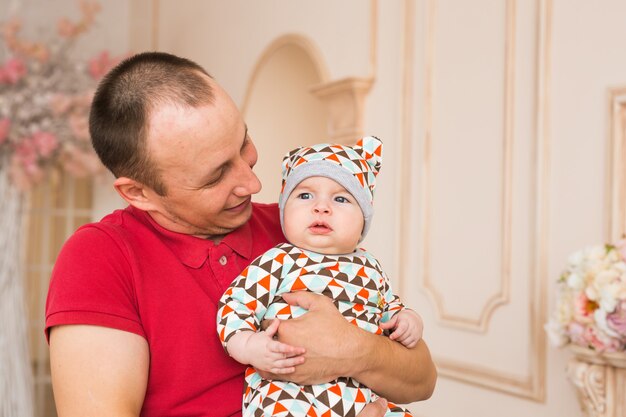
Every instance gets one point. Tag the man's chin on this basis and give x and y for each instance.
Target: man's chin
(236, 219)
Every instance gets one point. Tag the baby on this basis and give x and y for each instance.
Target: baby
(326, 208)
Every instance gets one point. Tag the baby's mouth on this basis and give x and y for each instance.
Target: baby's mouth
(320, 228)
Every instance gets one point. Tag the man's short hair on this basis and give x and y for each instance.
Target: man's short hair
(124, 101)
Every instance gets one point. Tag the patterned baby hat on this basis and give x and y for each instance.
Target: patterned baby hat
(354, 167)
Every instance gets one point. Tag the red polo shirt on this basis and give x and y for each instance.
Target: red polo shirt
(128, 273)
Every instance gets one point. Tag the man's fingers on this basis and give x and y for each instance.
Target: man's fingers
(376, 409)
(303, 299)
(283, 371)
(307, 300)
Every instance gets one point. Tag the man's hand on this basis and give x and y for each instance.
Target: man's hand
(376, 409)
(330, 341)
(337, 348)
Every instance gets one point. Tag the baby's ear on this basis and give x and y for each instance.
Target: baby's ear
(372, 151)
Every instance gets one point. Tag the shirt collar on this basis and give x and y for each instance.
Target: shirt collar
(240, 240)
(193, 251)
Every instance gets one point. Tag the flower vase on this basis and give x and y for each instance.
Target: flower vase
(600, 381)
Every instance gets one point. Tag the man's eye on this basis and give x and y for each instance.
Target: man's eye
(341, 199)
(214, 181)
(304, 196)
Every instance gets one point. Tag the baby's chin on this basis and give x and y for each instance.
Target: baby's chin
(324, 250)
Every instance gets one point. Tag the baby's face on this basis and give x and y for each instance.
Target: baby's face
(321, 216)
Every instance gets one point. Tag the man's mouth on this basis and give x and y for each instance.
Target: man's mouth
(239, 207)
(320, 228)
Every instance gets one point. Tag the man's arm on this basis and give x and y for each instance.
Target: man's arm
(98, 371)
(337, 348)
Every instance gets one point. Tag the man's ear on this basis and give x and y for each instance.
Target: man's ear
(135, 193)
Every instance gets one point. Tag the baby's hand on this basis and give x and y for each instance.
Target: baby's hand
(408, 327)
(267, 354)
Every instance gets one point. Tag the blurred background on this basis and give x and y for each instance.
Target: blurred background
(503, 123)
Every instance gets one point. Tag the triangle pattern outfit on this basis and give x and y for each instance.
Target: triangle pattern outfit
(359, 289)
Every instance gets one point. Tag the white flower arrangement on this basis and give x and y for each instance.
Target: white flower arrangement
(590, 308)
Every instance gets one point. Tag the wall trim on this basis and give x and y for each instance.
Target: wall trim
(502, 296)
(533, 385)
(616, 172)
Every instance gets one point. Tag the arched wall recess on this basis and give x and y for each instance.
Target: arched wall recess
(279, 109)
(288, 40)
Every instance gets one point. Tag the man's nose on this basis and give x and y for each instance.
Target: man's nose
(248, 182)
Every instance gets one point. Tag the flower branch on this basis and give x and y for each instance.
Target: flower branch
(45, 94)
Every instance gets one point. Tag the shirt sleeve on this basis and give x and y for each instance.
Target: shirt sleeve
(245, 302)
(391, 302)
(92, 283)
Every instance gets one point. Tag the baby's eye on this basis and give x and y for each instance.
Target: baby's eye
(341, 199)
(304, 196)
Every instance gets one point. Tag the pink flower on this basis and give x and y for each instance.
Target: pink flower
(617, 319)
(23, 178)
(89, 10)
(80, 163)
(84, 100)
(97, 63)
(26, 150)
(60, 104)
(79, 124)
(584, 308)
(45, 143)
(5, 127)
(591, 337)
(576, 333)
(26, 166)
(70, 30)
(41, 53)
(14, 70)
(101, 64)
(66, 28)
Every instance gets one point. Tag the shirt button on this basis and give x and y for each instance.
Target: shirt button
(223, 260)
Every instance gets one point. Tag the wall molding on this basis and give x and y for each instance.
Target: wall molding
(345, 101)
(532, 385)
(616, 173)
(502, 295)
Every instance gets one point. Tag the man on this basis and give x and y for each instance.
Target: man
(132, 300)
